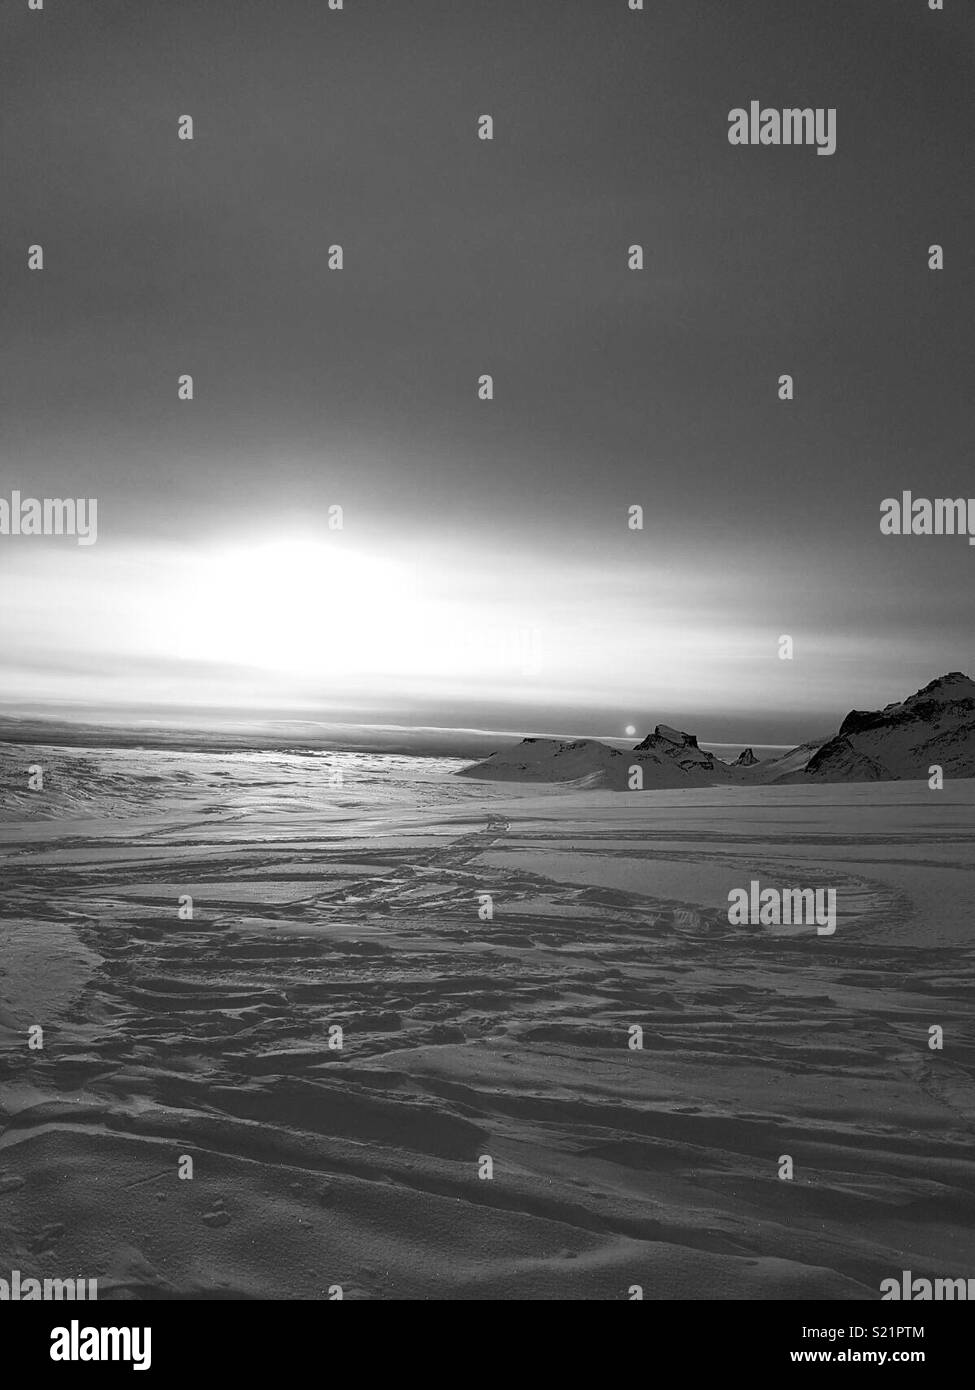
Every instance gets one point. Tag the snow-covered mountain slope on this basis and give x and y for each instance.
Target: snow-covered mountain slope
(785, 765)
(671, 758)
(665, 758)
(936, 725)
(552, 760)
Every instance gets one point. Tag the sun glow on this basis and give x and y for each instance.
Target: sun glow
(300, 606)
(316, 620)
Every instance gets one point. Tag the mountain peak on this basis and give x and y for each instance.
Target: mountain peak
(940, 695)
(663, 733)
(934, 726)
(955, 685)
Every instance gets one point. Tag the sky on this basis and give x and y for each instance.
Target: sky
(485, 574)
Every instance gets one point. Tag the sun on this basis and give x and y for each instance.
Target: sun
(630, 731)
(308, 607)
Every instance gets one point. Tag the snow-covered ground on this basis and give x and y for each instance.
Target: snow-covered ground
(348, 890)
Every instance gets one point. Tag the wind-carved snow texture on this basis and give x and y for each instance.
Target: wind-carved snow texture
(504, 1033)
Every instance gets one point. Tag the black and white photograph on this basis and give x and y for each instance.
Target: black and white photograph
(487, 699)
